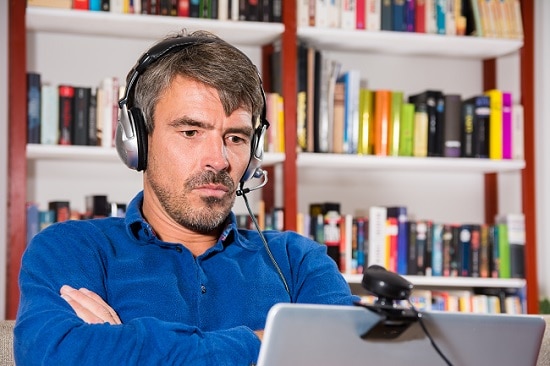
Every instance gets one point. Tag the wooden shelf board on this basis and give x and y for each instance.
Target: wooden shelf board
(452, 282)
(142, 26)
(408, 43)
(93, 153)
(435, 164)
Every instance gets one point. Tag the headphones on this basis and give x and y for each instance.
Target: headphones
(131, 132)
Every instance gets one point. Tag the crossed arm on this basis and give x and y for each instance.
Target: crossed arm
(92, 309)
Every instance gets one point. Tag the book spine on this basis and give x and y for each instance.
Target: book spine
(373, 15)
(33, 107)
(366, 121)
(406, 132)
(49, 115)
(382, 111)
(377, 236)
(66, 113)
(81, 121)
(420, 16)
(395, 123)
(386, 17)
(506, 125)
(495, 124)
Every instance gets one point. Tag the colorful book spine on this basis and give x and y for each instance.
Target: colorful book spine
(33, 107)
(406, 132)
(495, 124)
(382, 111)
(395, 123)
(506, 125)
(366, 122)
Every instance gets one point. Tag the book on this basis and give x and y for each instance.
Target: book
(338, 118)
(399, 213)
(33, 107)
(348, 15)
(33, 220)
(302, 99)
(453, 105)
(465, 250)
(394, 126)
(332, 238)
(382, 112)
(420, 136)
(352, 84)
(391, 244)
(49, 115)
(424, 247)
(398, 16)
(406, 132)
(377, 236)
(437, 249)
(366, 122)
(386, 15)
(515, 228)
(61, 4)
(412, 262)
(420, 16)
(476, 130)
(506, 125)
(66, 113)
(81, 121)
(373, 8)
(410, 13)
(434, 103)
(495, 123)
(503, 249)
(61, 209)
(517, 132)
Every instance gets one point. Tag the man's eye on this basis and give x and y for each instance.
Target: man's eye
(237, 139)
(189, 133)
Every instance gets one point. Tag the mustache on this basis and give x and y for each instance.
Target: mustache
(210, 177)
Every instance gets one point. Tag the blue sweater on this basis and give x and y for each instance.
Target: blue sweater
(175, 309)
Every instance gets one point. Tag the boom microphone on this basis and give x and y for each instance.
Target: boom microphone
(260, 173)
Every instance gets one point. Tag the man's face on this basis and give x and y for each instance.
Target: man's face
(197, 155)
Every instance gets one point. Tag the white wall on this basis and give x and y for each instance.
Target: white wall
(542, 136)
(3, 149)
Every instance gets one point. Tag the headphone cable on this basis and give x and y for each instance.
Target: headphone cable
(264, 241)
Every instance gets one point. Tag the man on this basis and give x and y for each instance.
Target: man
(175, 281)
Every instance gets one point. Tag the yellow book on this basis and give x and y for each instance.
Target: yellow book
(366, 126)
(495, 123)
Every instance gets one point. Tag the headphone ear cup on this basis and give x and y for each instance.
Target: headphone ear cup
(141, 137)
(256, 155)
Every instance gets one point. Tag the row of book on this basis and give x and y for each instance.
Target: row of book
(480, 300)
(243, 10)
(38, 218)
(82, 115)
(389, 237)
(338, 113)
(482, 18)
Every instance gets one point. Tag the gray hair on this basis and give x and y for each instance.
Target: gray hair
(216, 64)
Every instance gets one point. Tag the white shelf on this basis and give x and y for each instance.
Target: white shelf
(452, 282)
(99, 154)
(395, 163)
(408, 43)
(148, 27)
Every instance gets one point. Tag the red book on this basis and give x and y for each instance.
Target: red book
(360, 14)
(81, 4)
(420, 12)
(66, 113)
(183, 8)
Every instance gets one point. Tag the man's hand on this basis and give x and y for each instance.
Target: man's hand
(89, 306)
(259, 334)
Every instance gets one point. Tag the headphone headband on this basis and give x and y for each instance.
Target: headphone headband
(131, 133)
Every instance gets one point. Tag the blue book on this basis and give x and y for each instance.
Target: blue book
(400, 213)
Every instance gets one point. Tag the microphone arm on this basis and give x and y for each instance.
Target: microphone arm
(242, 191)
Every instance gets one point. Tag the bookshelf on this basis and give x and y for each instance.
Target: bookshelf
(136, 31)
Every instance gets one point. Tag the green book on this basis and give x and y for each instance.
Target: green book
(395, 123)
(406, 132)
(503, 250)
(366, 126)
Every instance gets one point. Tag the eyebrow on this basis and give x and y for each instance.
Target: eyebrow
(190, 122)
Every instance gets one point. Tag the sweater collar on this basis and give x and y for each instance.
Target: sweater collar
(139, 229)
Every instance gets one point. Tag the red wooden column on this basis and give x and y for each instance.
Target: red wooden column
(17, 141)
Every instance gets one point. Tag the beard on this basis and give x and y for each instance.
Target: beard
(203, 218)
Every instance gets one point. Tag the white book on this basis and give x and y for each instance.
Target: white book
(116, 6)
(234, 13)
(373, 9)
(377, 236)
(334, 10)
(347, 14)
(302, 13)
(49, 115)
(431, 14)
(321, 13)
(518, 151)
(223, 9)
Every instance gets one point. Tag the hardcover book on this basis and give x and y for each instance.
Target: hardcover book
(33, 107)
(66, 113)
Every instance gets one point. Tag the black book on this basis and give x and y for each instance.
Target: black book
(33, 107)
(434, 102)
(475, 126)
(80, 130)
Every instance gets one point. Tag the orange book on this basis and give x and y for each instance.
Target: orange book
(382, 111)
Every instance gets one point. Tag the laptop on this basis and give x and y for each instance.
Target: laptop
(306, 334)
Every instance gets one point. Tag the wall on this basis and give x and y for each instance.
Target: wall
(542, 129)
(3, 148)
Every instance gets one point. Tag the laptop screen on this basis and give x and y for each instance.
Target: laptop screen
(305, 334)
